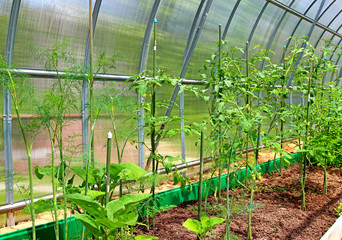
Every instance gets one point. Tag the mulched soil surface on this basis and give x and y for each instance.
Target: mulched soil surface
(277, 210)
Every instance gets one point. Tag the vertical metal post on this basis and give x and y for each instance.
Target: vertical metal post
(85, 112)
(7, 115)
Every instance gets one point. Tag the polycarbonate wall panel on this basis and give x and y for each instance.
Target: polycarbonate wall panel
(313, 10)
(120, 31)
(330, 12)
(170, 145)
(195, 110)
(175, 18)
(5, 10)
(243, 22)
(126, 125)
(41, 151)
(266, 25)
(315, 36)
(42, 24)
(207, 43)
(337, 22)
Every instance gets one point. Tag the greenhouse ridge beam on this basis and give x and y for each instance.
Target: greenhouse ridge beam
(7, 116)
(298, 14)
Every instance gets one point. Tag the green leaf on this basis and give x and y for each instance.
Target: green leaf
(107, 223)
(89, 223)
(131, 172)
(210, 223)
(125, 204)
(284, 162)
(92, 193)
(127, 219)
(193, 225)
(88, 204)
(41, 172)
(82, 173)
(43, 205)
(175, 178)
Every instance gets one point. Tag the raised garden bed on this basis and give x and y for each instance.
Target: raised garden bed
(277, 213)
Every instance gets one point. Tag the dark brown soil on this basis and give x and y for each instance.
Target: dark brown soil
(277, 210)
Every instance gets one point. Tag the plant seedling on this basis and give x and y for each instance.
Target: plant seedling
(203, 226)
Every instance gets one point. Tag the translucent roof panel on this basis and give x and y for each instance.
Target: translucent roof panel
(283, 34)
(312, 12)
(120, 31)
(267, 25)
(330, 13)
(243, 22)
(218, 14)
(42, 24)
(5, 11)
(174, 23)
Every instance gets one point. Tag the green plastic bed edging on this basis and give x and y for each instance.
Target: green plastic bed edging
(164, 200)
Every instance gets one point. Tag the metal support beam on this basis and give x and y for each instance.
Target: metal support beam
(85, 88)
(37, 73)
(7, 115)
(142, 66)
(303, 17)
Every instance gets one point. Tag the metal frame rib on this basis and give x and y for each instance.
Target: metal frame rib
(7, 115)
(142, 66)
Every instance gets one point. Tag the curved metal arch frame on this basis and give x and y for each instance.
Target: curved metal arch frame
(297, 25)
(85, 131)
(251, 34)
(275, 30)
(181, 95)
(320, 37)
(142, 65)
(7, 115)
(229, 21)
(324, 31)
(302, 16)
(186, 61)
(289, 83)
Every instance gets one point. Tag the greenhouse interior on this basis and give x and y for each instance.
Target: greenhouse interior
(196, 119)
